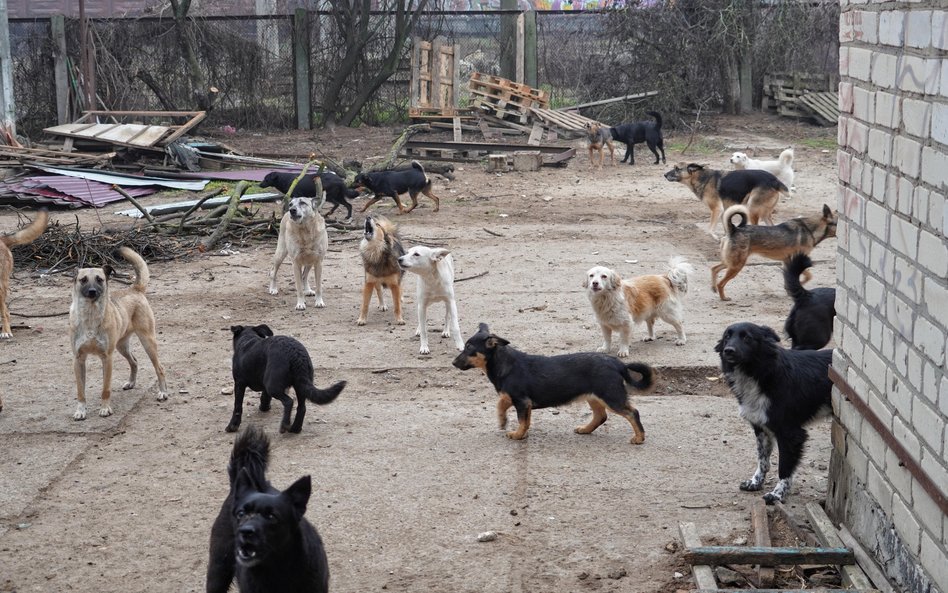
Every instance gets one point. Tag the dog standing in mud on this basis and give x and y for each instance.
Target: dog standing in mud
(101, 322)
(599, 137)
(779, 242)
(435, 271)
(22, 237)
(380, 249)
(303, 237)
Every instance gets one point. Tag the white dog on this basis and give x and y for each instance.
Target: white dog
(435, 270)
(303, 237)
(782, 168)
(618, 304)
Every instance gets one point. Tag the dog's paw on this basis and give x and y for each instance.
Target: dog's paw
(301, 306)
(516, 435)
(295, 429)
(623, 352)
(5, 336)
(273, 290)
(648, 339)
(424, 350)
(383, 307)
(162, 396)
(637, 440)
(771, 498)
(360, 321)
(399, 322)
(309, 291)
(319, 303)
(681, 341)
(105, 411)
(602, 349)
(750, 486)
(80, 413)
(128, 385)
(232, 427)
(284, 427)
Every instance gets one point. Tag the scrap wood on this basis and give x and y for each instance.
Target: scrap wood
(852, 575)
(702, 573)
(866, 562)
(761, 525)
(769, 556)
(209, 243)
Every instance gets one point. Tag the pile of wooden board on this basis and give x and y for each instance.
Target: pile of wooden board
(801, 95)
(505, 100)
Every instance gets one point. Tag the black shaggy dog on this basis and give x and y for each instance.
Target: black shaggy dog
(333, 185)
(810, 323)
(641, 131)
(272, 364)
(260, 535)
(412, 180)
(778, 391)
(528, 382)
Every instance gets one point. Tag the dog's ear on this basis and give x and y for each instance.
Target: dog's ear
(439, 253)
(770, 334)
(719, 347)
(236, 329)
(827, 211)
(109, 271)
(495, 341)
(482, 327)
(298, 494)
(614, 279)
(263, 330)
(693, 167)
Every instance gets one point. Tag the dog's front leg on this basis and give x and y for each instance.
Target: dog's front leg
(397, 299)
(318, 280)
(239, 390)
(503, 404)
(451, 325)
(105, 409)
(625, 333)
(79, 368)
(366, 297)
(299, 275)
(381, 297)
(606, 338)
(789, 450)
(650, 328)
(765, 446)
(307, 289)
(275, 267)
(524, 411)
(422, 330)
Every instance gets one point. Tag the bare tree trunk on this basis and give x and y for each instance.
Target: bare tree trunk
(732, 85)
(203, 94)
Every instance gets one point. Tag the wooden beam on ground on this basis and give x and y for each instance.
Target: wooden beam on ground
(703, 574)
(605, 101)
(852, 575)
(786, 556)
(797, 526)
(866, 562)
(761, 525)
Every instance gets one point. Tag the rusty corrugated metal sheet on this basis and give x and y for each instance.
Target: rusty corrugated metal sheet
(91, 193)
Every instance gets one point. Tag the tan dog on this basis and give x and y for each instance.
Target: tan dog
(22, 237)
(101, 322)
(759, 190)
(619, 304)
(599, 137)
(780, 242)
(380, 249)
(303, 237)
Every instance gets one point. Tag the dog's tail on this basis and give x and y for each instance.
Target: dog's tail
(29, 233)
(141, 268)
(678, 271)
(251, 452)
(736, 210)
(658, 118)
(648, 376)
(786, 157)
(795, 266)
(417, 165)
(321, 396)
(352, 193)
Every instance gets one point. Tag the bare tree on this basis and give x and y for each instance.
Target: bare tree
(202, 93)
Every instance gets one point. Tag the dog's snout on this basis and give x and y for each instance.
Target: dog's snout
(729, 350)
(247, 533)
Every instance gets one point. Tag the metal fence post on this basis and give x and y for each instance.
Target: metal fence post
(301, 73)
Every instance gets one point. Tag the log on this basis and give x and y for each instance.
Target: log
(406, 134)
(719, 555)
(209, 243)
(135, 203)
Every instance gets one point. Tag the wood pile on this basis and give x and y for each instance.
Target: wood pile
(802, 95)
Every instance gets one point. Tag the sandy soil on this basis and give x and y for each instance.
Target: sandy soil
(408, 465)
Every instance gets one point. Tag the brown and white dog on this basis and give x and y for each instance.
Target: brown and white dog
(599, 138)
(303, 237)
(22, 237)
(101, 322)
(380, 249)
(619, 304)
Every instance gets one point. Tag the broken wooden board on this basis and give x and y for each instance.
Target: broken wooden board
(824, 107)
(772, 556)
(853, 576)
(476, 151)
(135, 134)
(565, 122)
(702, 573)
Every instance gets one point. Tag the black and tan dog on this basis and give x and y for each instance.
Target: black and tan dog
(412, 180)
(334, 188)
(261, 535)
(22, 237)
(380, 249)
(101, 322)
(529, 382)
(758, 190)
(599, 138)
(641, 131)
(271, 365)
(779, 242)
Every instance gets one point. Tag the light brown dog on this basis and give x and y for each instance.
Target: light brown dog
(303, 237)
(380, 249)
(599, 137)
(619, 304)
(780, 242)
(22, 237)
(758, 190)
(101, 322)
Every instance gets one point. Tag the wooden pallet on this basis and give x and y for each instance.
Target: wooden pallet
(823, 107)
(139, 134)
(490, 84)
(566, 123)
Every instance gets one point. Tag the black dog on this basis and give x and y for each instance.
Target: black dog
(412, 180)
(333, 185)
(778, 391)
(638, 132)
(529, 382)
(272, 364)
(260, 534)
(810, 323)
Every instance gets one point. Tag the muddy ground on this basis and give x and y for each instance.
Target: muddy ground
(408, 464)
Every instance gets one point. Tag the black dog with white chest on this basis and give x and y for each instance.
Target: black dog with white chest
(529, 382)
(778, 392)
(333, 185)
(641, 131)
(260, 535)
(272, 364)
(810, 322)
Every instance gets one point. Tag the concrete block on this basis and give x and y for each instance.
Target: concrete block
(900, 355)
(843, 164)
(883, 261)
(891, 200)
(936, 301)
(843, 61)
(906, 437)
(940, 30)
(874, 293)
(930, 339)
(918, 29)
(934, 169)
(863, 104)
(944, 78)
(898, 476)
(907, 156)
(874, 368)
(879, 488)
(918, 75)
(892, 27)
(906, 525)
(930, 378)
(915, 365)
(888, 109)
(857, 135)
(877, 219)
(884, 70)
(920, 203)
(933, 253)
(939, 126)
(905, 195)
(917, 117)
(937, 211)
(908, 279)
(867, 27)
(846, 91)
(888, 342)
(901, 316)
(934, 464)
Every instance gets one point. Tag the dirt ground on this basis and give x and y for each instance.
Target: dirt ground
(408, 464)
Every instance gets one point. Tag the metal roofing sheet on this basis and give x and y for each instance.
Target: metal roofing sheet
(125, 180)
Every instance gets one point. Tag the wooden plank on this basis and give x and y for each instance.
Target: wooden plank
(413, 91)
(852, 575)
(68, 128)
(123, 132)
(703, 574)
(185, 127)
(189, 114)
(57, 25)
(457, 128)
(797, 525)
(866, 562)
(782, 556)
(150, 136)
(434, 67)
(94, 130)
(613, 100)
(536, 134)
(761, 525)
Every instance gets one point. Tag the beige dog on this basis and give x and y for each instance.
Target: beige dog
(21, 237)
(101, 322)
(303, 237)
(619, 304)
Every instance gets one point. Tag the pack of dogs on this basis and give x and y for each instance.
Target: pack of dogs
(261, 537)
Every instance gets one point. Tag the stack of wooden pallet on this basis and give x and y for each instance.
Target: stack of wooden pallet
(801, 95)
(505, 101)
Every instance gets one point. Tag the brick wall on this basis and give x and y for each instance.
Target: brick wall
(892, 293)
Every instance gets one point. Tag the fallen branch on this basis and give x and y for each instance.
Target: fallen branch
(209, 243)
(490, 232)
(482, 274)
(197, 205)
(405, 136)
(135, 203)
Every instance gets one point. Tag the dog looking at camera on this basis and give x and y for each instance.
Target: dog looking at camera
(778, 391)
(102, 321)
(781, 167)
(24, 236)
(261, 535)
(303, 237)
(599, 138)
(619, 304)
(380, 249)
(435, 271)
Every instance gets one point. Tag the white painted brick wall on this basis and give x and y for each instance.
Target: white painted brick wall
(898, 476)
(903, 236)
(920, 204)
(908, 156)
(933, 253)
(880, 146)
(887, 109)
(917, 74)
(936, 303)
(879, 488)
(885, 70)
(934, 166)
(877, 218)
(906, 437)
(940, 30)
(906, 524)
(918, 29)
(939, 129)
(928, 423)
(916, 117)
(908, 280)
(859, 62)
(892, 27)
(935, 561)
(863, 104)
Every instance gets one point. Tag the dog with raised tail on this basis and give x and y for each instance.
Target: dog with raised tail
(781, 167)
(619, 304)
(24, 236)
(435, 271)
